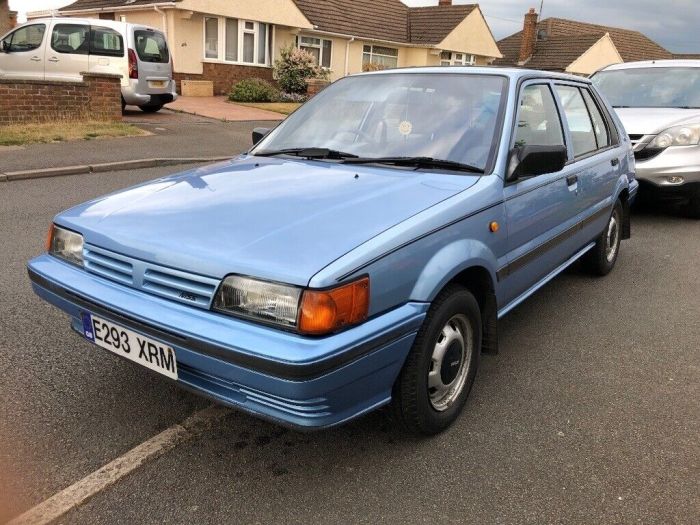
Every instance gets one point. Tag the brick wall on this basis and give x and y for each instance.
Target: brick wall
(97, 97)
(225, 75)
(4, 17)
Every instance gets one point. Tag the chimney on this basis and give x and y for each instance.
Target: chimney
(13, 19)
(444, 2)
(529, 36)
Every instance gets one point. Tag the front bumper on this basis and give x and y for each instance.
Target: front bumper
(297, 381)
(677, 161)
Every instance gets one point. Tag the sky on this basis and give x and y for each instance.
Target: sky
(672, 23)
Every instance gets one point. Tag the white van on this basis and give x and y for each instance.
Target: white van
(75, 45)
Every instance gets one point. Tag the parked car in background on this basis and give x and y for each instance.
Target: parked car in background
(659, 104)
(63, 48)
(361, 253)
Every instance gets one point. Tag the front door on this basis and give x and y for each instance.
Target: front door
(22, 55)
(67, 52)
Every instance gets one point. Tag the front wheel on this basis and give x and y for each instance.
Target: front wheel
(434, 384)
(694, 203)
(151, 109)
(601, 259)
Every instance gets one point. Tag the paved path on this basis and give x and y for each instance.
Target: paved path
(219, 108)
(173, 135)
(588, 415)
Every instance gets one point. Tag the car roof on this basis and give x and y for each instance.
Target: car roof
(92, 21)
(511, 72)
(654, 63)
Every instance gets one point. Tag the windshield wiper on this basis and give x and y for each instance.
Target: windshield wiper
(418, 162)
(308, 153)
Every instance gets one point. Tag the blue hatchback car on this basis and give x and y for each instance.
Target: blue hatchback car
(361, 253)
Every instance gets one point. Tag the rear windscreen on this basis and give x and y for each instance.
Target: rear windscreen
(151, 47)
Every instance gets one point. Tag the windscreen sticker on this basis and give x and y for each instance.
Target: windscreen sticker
(405, 128)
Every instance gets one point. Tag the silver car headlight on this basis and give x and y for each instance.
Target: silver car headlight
(685, 135)
(270, 302)
(65, 244)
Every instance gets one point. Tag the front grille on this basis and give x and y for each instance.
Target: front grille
(184, 287)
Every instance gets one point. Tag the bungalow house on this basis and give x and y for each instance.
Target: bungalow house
(556, 44)
(226, 40)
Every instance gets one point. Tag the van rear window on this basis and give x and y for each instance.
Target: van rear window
(151, 47)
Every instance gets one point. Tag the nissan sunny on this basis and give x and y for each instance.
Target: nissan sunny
(361, 253)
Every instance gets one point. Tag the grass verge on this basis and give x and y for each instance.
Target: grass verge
(278, 107)
(21, 134)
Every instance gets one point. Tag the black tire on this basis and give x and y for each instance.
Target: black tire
(151, 109)
(693, 209)
(412, 405)
(123, 106)
(600, 260)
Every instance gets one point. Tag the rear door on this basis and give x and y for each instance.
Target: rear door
(155, 71)
(541, 210)
(67, 51)
(596, 156)
(23, 54)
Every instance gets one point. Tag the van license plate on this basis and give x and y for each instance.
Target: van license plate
(126, 343)
(156, 83)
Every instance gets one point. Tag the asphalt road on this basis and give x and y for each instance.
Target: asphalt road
(588, 415)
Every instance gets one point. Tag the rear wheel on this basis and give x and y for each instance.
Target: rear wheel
(151, 109)
(602, 258)
(123, 105)
(435, 381)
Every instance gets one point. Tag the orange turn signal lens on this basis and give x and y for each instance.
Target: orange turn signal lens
(326, 311)
(49, 237)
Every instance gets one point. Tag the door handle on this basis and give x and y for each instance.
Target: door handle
(35, 59)
(572, 179)
(615, 162)
(53, 59)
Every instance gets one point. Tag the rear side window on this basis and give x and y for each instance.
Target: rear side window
(27, 38)
(538, 120)
(70, 39)
(601, 129)
(582, 135)
(151, 47)
(106, 42)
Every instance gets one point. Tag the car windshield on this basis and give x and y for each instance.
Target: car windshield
(651, 87)
(448, 117)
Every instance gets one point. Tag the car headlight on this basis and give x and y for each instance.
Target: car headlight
(685, 135)
(308, 311)
(65, 244)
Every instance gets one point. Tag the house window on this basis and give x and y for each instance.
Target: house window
(320, 48)
(387, 57)
(237, 41)
(448, 58)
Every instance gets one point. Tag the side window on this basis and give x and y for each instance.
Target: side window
(106, 42)
(538, 120)
(583, 137)
(27, 38)
(599, 126)
(70, 39)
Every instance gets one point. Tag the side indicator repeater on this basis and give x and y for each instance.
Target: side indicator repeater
(494, 227)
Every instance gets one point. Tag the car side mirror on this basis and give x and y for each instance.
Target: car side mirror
(529, 161)
(259, 134)
(4, 46)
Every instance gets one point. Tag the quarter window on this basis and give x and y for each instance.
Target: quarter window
(579, 121)
(386, 57)
(320, 48)
(601, 130)
(106, 42)
(70, 39)
(238, 41)
(27, 38)
(538, 118)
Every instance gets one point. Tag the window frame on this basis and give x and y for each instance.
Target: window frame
(12, 36)
(469, 59)
(372, 54)
(242, 31)
(320, 47)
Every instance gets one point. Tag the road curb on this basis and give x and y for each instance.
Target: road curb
(104, 167)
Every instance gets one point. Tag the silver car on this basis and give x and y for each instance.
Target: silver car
(659, 105)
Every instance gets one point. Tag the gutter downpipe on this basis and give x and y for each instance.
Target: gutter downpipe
(164, 19)
(347, 56)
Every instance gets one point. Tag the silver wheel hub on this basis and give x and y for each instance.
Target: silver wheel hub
(612, 238)
(450, 363)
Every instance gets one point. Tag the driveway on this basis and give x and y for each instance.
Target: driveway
(589, 414)
(220, 108)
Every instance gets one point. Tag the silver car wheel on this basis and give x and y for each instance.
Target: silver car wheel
(612, 237)
(450, 362)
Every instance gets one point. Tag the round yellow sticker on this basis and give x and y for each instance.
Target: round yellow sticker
(405, 128)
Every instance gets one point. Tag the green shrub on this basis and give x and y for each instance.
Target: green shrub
(253, 90)
(294, 67)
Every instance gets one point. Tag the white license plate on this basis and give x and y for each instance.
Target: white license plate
(156, 83)
(126, 343)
